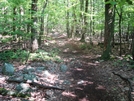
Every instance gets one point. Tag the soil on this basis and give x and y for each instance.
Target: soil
(87, 79)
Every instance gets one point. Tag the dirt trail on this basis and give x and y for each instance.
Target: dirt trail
(86, 80)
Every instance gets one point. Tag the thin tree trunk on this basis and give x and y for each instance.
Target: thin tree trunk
(34, 41)
(120, 20)
(42, 23)
(85, 23)
(113, 27)
(133, 44)
(67, 21)
(14, 27)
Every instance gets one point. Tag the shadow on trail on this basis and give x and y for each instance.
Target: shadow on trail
(85, 86)
(84, 79)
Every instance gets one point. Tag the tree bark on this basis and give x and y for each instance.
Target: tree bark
(67, 20)
(42, 23)
(109, 11)
(84, 29)
(34, 34)
(120, 20)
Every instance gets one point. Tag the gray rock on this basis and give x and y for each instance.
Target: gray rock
(23, 87)
(126, 88)
(66, 82)
(40, 69)
(46, 73)
(29, 77)
(20, 78)
(11, 93)
(63, 68)
(8, 69)
(29, 69)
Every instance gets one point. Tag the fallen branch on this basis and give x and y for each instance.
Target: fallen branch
(127, 80)
(35, 84)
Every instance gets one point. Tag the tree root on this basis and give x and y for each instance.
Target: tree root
(127, 80)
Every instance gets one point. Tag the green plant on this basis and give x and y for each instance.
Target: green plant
(13, 54)
(85, 46)
(54, 52)
(43, 55)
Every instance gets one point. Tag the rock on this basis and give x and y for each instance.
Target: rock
(11, 93)
(16, 78)
(66, 82)
(29, 77)
(8, 69)
(46, 73)
(126, 88)
(63, 68)
(29, 69)
(40, 69)
(80, 82)
(23, 87)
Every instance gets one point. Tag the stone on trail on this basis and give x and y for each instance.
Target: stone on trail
(63, 68)
(40, 69)
(29, 77)
(23, 87)
(8, 69)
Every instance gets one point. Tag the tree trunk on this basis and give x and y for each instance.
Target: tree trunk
(34, 34)
(84, 29)
(14, 27)
(42, 23)
(120, 20)
(133, 44)
(67, 21)
(113, 41)
(108, 30)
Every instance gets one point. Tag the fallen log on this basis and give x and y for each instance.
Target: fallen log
(32, 83)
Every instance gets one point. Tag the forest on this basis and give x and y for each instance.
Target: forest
(67, 50)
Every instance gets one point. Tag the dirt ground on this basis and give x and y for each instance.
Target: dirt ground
(87, 78)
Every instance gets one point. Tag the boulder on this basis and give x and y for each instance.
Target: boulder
(8, 69)
(23, 87)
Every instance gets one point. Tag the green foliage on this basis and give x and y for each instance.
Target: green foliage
(42, 55)
(5, 92)
(6, 40)
(54, 52)
(13, 54)
(85, 46)
(117, 63)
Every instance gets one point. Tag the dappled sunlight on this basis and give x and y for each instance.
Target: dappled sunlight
(66, 50)
(79, 88)
(69, 94)
(93, 64)
(84, 99)
(100, 87)
(2, 81)
(79, 69)
(52, 42)
(84, 82)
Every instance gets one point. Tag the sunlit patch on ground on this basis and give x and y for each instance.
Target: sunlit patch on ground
(100, 87)
(69, 94)
(84, 99)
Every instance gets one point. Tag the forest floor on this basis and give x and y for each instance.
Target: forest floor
(87, 78)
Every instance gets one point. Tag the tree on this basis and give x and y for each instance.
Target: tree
(34, 33)
(42, 22)
(84, 27)
(109, 21)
